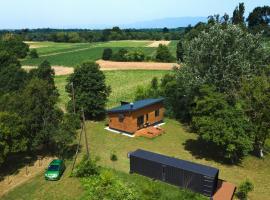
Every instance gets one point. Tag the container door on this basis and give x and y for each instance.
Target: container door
(163, 172)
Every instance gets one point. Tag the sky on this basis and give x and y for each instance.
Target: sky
(17, 14)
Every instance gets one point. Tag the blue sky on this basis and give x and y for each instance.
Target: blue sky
(97, 13)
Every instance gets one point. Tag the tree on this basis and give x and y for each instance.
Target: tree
(37, 106)
(12, 76)
(107, 54)
(65, 134)
(136, 56)
(14, 45)
(238, 15)
(255, 93)
(165, 30)
(12, 135)
(223, 55)
(90, 90)
(223, 126)
(180, 51)
(33, 53)
(44, 72)
(259, 19)
(163, 54)
(120, 55)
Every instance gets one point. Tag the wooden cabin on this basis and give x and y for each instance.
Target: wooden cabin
(131, 117)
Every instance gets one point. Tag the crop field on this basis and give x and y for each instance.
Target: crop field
(70, 55)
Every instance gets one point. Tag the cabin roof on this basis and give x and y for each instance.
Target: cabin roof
(178, 163)
(135, 105)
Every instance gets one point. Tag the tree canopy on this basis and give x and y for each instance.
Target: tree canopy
(91, 92)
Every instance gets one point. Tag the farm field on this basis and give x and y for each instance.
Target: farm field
(123, 84)
(70, 55)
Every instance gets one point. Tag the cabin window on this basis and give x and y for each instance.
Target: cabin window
(121, 118)
(140, 121)
(156, 113)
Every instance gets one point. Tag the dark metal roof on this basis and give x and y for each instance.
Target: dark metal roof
(135, 106)
(178, 163)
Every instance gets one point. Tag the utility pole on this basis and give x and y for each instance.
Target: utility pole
(78, 148)
(84, 128)
(73, 97)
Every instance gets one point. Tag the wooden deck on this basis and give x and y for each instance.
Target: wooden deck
(149, 132)
(225, 191)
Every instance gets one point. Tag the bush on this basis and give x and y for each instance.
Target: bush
(120, 55)
(164, 54)
(107, 54)
(106, 186)
(87, 167)
(244, 189)
(33, 53)
(113, 157)
(136, 56)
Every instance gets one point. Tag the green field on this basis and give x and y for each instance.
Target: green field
(70, 55)
(123, 85)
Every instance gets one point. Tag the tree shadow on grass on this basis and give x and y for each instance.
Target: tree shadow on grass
(202, 150)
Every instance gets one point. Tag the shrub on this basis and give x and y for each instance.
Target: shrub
(120, 55)
(136, 56)
(87, 167)
(107, 54)
(33, 53)
(113, 157)
(106, 186)
(244, 189)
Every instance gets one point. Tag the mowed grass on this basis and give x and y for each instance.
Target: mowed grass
(175, 142)
(72, 54)
(123, 85)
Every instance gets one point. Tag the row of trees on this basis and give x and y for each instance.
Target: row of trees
(222, 90)
(29, 116)
(82, 35)
(163, 54)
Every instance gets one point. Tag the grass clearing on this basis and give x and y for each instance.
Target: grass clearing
(176, 142)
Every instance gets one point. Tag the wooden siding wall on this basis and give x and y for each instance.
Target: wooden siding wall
(129, 123)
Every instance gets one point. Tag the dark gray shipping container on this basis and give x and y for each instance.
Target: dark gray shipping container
(196, 177)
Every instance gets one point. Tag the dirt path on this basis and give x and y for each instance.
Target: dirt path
(157, 43)
(59, 70)
(23, 175)
(110, 65)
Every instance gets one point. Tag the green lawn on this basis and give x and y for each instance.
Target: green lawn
(72, 54)
(123, 85)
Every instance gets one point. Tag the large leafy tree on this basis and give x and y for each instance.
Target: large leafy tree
(222, 56)
(256, 98)
(37, 105)
(14, 45)
(13, 137)
(12, 76)
(91, 92)
(221, 125)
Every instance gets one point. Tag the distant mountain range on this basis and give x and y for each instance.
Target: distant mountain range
(166, 22)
